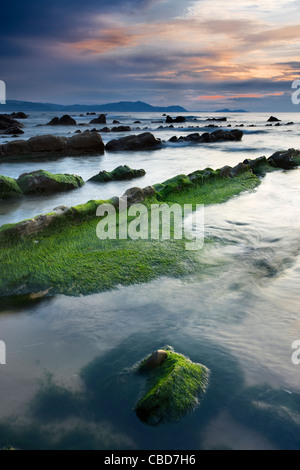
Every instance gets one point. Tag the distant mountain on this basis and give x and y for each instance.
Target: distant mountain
(122, 106)
(230, 111)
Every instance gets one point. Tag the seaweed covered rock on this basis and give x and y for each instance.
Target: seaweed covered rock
(9, 188)
(144, 141)
(174, 385)
(42, 181)
(285, 159)
(118, 174)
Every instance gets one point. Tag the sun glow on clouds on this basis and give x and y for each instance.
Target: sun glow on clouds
(200, 47)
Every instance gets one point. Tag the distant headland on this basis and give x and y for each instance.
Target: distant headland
(121, 106)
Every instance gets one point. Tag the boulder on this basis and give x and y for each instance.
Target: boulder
(273, 119)
(41, 181)
(156, 359)
(137, 195)
(224, 119)
(8, 125)
(286, 159)
(121, 129)
(118, 174)
(216, 136)
(19, 115)
(145, 141)
(173, 386)
(50, 145)
(99, 120)
(169, 119)
(65, 120)
(239, 169)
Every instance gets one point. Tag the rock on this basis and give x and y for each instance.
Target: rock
(273, 119)
(173, 387)
(285, 159)
(13, 131)
(121, 129)
(65, 120)
(40, 181)
(291, 123)
(10, 126)
(156, 359)
(216, 136)
(220, 135)
(9, 188)
(240, 168)
(19, 115)
(224, 119)
(259, 166)
(137, 122)
(118, 174)
(145, 141)
(225, 171)
(99, 120)
(137, 195)
(169, 119)
(116, 122)
(50, 145)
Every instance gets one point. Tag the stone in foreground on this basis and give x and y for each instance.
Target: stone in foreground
(173, 388)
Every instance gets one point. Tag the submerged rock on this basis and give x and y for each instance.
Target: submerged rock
(173, 387)
(42, 181)
(145, 141)
(118, 174)
(50, 145)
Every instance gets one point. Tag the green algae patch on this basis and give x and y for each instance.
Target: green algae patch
(208, 188)
(9, 188)
(172, 389)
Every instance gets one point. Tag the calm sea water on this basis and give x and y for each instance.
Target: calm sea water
(67, 384)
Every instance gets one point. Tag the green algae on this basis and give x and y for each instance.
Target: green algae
(172, 390)
(68, 257)
(118, 174)
(41, 181)
(9, 188)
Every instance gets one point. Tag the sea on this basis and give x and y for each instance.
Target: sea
(68, 382)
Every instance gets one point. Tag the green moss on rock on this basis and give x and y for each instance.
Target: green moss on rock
(173, 388)
(42, 181)
(118, 174)
(9, 188)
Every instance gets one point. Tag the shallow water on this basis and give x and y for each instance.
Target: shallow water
(67, 382)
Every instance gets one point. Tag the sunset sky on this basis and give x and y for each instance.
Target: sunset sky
(200, 54)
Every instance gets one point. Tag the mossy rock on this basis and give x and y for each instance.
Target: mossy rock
(173, 388)
(118, 174)
(42, 181)
(9, 188)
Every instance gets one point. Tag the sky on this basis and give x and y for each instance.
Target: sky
(200, 54)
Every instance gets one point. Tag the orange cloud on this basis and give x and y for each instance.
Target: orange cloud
(241, 95)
